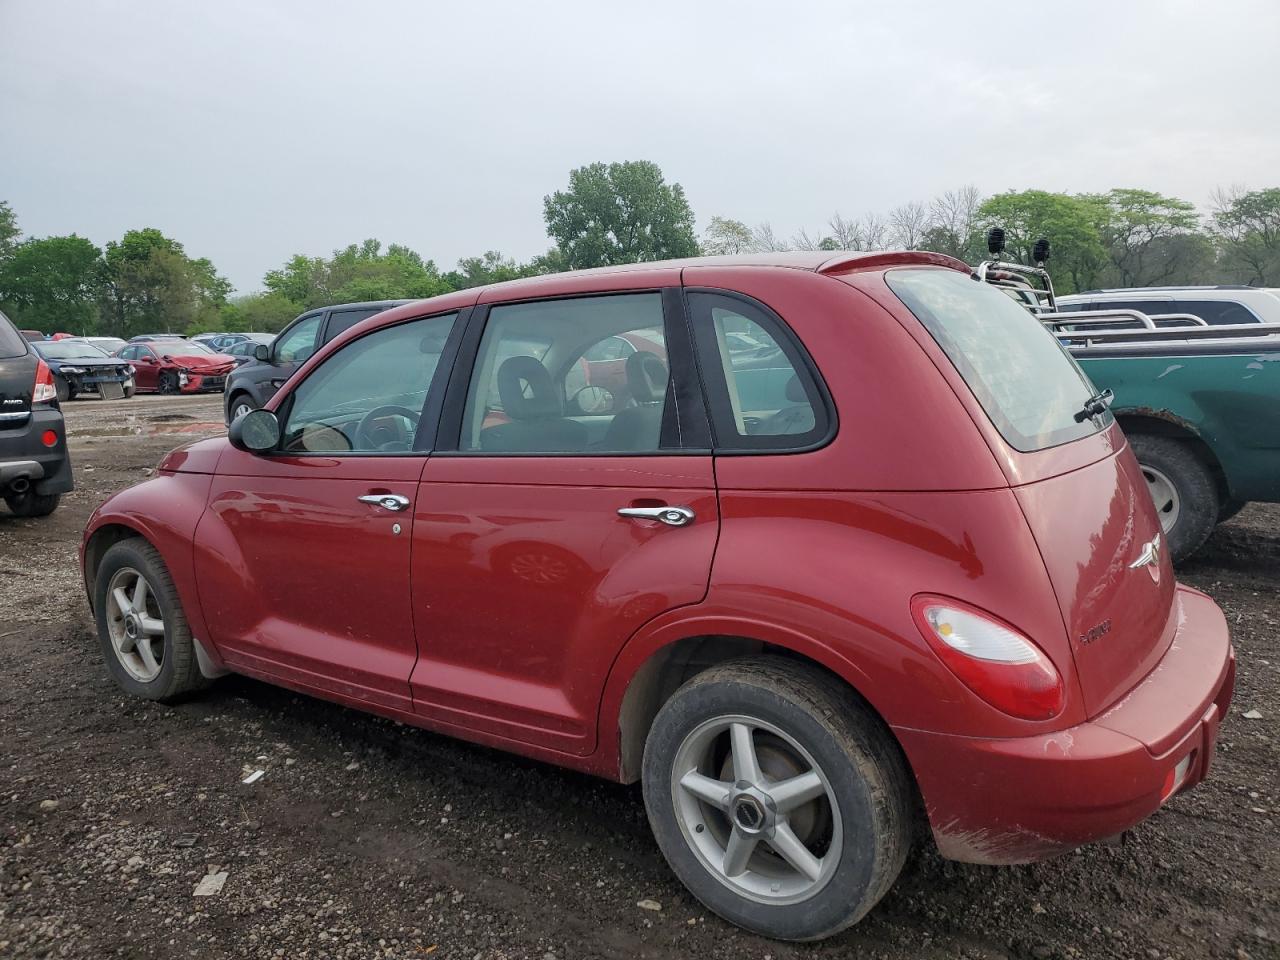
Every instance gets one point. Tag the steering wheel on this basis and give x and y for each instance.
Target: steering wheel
(365, 439)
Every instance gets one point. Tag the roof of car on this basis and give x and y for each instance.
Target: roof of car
(1224, 290)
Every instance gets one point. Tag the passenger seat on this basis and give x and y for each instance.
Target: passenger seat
(538, 425)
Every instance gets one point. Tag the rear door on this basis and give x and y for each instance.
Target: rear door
(557, 517)
(17, 377)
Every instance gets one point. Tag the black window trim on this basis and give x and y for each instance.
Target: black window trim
(685, 427)
(423, 440)
(716, 390)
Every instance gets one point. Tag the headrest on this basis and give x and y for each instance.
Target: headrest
(795, 390)
(526, 390)
(646, 377)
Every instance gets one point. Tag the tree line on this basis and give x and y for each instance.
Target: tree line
(627, 212)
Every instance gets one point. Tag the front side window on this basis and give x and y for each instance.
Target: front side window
(585, 375)
(762, 395)
(299, 342)
(369, 396)
(1025, 381)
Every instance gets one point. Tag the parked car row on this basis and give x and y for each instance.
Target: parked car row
(817, 547)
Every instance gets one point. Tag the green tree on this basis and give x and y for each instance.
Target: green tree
(619, 213)
(1249, 224)
(9, 232)
(150, 285)
(726, 236)
(489, 267)
(1074, 226)
(52, 283)
(1139, 224)
(357, 272)
(256, 312)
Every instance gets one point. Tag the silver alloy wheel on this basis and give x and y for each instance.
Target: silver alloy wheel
(757, 810)
(241, 408)
(1165, 496)
(135, 624)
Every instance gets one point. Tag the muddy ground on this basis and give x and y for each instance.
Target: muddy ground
(368, 839)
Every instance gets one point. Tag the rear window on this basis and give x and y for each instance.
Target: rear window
(1026, 382)
(12, 343)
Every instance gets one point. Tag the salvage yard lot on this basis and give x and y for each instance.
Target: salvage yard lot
(365, 838)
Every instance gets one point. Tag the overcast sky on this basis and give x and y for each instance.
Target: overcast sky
(254, 130)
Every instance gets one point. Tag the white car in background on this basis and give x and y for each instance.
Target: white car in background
(1216, 306)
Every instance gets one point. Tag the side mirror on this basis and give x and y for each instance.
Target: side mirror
(255, 432)
(262, 352)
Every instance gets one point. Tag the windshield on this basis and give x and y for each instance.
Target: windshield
(1026, 382)
(69, 350)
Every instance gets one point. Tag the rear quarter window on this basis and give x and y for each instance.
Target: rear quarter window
(12, 343)
(1028, 385)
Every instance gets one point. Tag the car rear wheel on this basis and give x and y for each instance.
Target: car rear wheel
(777, 797)
(1182, 489)
(141, 625)
(32, 504)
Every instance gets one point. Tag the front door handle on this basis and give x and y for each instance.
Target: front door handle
(387, 501)
(671, 516)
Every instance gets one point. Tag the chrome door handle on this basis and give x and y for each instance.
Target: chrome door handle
(671, 516)
(387, 501)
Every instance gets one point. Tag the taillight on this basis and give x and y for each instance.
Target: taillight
(43, 391)
(997, 663)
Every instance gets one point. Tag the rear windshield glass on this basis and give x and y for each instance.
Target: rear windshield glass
(1027, 383)
(12, 343)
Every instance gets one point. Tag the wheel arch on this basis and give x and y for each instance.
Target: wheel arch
(649, 672)
(97, 543)
(1164, 424)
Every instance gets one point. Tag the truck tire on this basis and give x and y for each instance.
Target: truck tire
(777, 797)
(1184, 491)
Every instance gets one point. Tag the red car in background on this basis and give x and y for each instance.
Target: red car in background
(864, 552)
(176, 366)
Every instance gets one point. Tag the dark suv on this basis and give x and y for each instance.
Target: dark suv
(35, 469)
(254, 383)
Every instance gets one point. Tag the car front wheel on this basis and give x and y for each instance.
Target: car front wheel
(241, 405)
(142, 628)
(777, 797)
(168, 383)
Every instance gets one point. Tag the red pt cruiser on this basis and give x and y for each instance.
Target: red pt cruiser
(895, 557)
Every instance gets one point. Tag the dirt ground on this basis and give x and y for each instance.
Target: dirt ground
(366, 838)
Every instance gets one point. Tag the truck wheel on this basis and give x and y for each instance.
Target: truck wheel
(32, 504)
(1183, 490)
(777, 798)
(141, 625)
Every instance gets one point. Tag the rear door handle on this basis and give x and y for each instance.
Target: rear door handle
(671, 516)
(387, 501)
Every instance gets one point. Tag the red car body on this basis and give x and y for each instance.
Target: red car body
(171, 366)
(820, 553)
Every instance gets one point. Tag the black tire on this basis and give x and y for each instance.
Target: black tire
(1230, 508)
(1198, 507)
(864, 767)
(179, 668)
(168, 383)
(32, 504)
(62, 389)
(237, 400)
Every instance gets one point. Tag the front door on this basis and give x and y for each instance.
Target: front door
(303, 554)
(145, 366)
(565, 515)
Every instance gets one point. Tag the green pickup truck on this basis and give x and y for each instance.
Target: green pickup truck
(1200, 404)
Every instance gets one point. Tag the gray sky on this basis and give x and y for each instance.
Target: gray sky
(251, 130)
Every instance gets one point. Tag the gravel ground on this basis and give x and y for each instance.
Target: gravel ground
(365, 838)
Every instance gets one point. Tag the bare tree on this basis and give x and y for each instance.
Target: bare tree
(846, 234)
(727, 236)
(874, 230)
(907, 224)
(804, 240)
(953, 220)
(765, 241)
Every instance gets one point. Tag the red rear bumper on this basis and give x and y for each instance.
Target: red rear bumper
(1018, 800)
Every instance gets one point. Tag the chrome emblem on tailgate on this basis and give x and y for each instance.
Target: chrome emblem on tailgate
(1149, 557)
